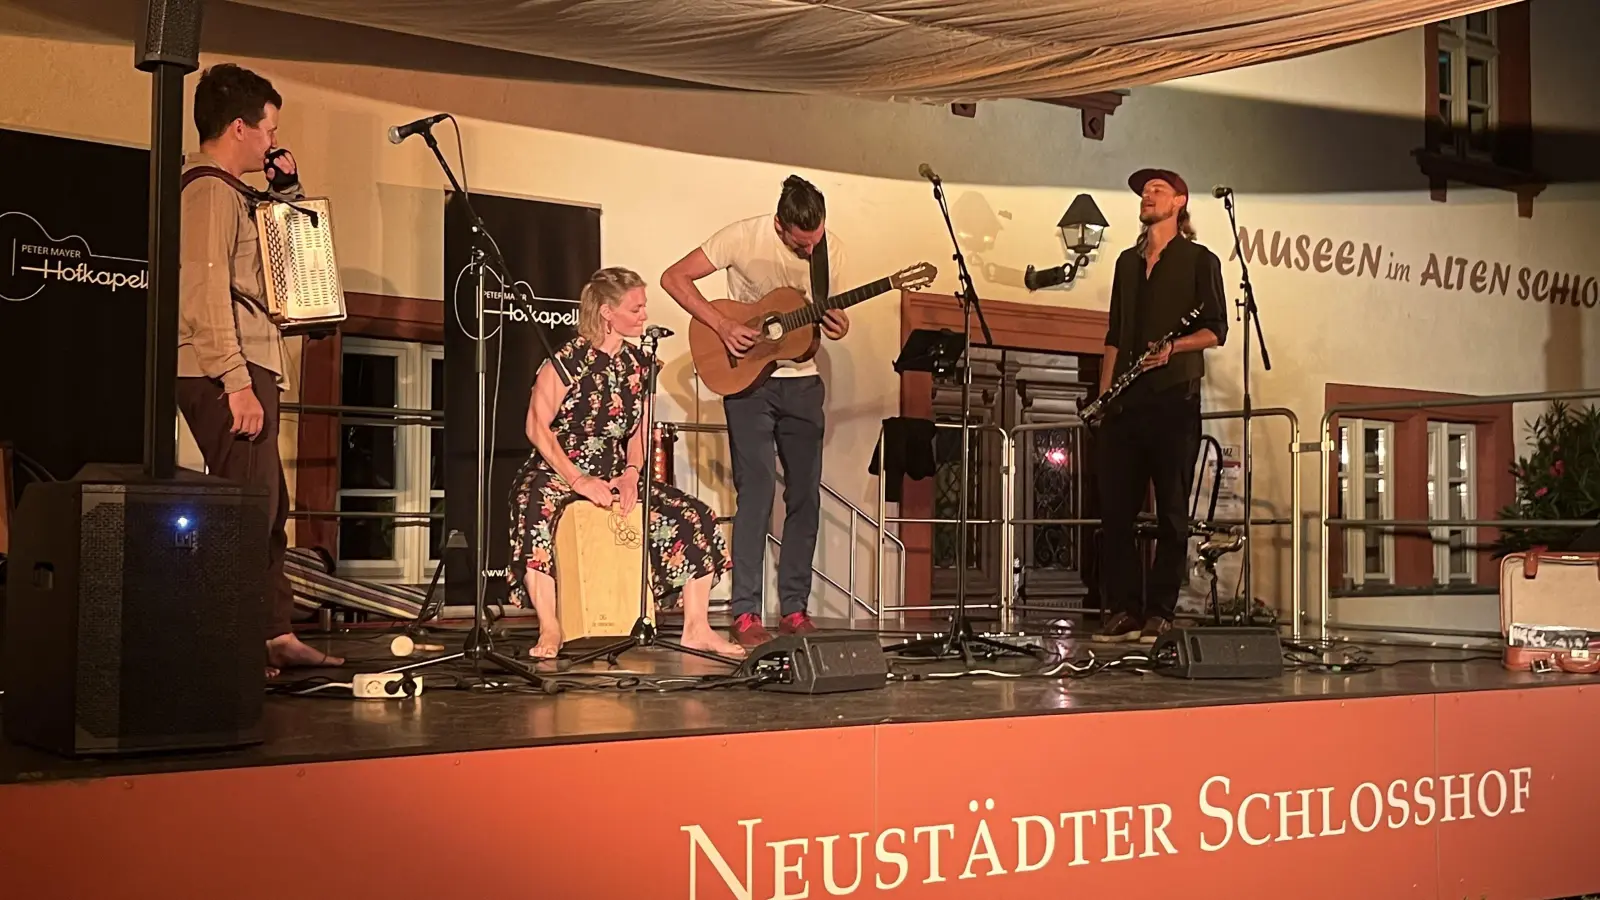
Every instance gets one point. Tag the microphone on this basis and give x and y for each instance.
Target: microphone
(1221, 191)
(926, 171)
(657, 332)
(398, 133)
(404, 645)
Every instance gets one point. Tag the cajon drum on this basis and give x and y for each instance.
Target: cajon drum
(597, 570)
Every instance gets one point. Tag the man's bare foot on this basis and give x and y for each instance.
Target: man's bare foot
(286, 651)
(549, 645)
(711, 642)
(271, 673)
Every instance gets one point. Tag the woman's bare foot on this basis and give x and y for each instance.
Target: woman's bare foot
(706, 639)
(549, 645)
(271, 673)
(286, 651)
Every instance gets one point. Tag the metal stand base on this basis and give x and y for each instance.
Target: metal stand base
(645, 636)
(961, 642)
(478, 648)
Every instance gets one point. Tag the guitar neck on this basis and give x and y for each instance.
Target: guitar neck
(812, 312)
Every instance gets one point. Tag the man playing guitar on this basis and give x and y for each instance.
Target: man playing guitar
(791, 249)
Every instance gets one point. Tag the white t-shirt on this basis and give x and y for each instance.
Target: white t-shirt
(758, 262)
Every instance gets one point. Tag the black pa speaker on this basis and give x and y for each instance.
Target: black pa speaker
(171, 35)
(819, 663)
(135, 614)
(1218, 652)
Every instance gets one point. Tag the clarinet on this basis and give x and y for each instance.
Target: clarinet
(1094, 412)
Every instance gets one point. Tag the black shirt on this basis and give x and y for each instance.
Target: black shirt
(1187, 276)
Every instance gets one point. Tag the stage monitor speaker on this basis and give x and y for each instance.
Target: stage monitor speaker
(171, 34)
(135, 614)
(1219, 652)
(820, 663)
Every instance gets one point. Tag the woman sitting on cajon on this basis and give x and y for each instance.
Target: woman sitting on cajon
(588, 445)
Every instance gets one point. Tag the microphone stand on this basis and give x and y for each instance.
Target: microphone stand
(960, 639)
(1252, 314)
(644, 632)
(478, 645)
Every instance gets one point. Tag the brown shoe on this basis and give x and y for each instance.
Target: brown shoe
(1119, 628)
(1154, 629)
(748, 632)
(796, 623)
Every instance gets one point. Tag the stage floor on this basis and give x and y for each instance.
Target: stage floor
(449, 718)
(1426, 777)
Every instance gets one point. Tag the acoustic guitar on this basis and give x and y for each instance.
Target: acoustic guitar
(787, 330)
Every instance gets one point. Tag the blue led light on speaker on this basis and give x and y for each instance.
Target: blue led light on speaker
(183, 523)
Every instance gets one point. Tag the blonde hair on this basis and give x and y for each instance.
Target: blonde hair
(606, 288)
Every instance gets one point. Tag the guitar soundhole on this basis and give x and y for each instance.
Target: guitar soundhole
(772, 329)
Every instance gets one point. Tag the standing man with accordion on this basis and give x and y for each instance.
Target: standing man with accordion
(1166, 309)
(231, 360)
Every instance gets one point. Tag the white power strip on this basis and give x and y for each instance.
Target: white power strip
(386, 686)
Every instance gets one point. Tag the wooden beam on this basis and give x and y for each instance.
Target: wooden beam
(1094, 107)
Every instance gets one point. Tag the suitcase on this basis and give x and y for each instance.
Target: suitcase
(1550, 611)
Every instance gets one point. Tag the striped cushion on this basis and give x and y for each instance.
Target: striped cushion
(311, 576)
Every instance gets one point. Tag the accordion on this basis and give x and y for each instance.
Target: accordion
(297, 262)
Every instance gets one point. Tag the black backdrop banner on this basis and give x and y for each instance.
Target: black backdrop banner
(73, 280)
(553, 248)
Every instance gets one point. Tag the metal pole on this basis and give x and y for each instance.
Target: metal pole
(480, 504)
(1249, 469)
(1296, 531)
(1423, 524)
(1008, 587)
(850, 603)
(1324, 563)
(161, 303)
(883, 487)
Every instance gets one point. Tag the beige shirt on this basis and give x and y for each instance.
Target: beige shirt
(758, 262)
(219, 254)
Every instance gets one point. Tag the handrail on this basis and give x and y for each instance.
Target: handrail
(884, 520)
(871, 608)
(365, 412)
(1325, 620)
(1464, 523)
(848, 592)
(1296, 526)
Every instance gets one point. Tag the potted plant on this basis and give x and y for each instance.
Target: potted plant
(1558, 479)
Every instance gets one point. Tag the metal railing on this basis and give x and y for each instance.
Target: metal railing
(1296, 526)
(856, 514)
(1327, 447)
(431, 417)
(884, 520)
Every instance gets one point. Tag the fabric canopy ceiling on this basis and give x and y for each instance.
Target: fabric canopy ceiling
(935, 50)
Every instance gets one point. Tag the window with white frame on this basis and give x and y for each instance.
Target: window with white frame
(389, 467)
(1366, 491)
(1468, 55)
(1452, 495)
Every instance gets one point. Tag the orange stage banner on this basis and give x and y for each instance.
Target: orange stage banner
(1440, 796)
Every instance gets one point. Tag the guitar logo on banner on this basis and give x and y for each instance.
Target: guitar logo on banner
(501, 301)
(33, 259)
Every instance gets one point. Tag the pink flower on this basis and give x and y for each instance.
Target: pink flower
(1558, 468)
(1541, 492)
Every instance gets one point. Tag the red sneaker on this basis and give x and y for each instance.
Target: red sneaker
(747, 631)
(797, 623)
